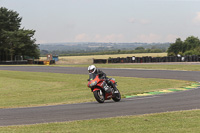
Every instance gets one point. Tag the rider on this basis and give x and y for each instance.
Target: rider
(93, 69)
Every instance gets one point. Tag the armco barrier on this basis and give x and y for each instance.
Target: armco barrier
(149, 59)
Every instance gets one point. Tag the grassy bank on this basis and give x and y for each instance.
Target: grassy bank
(173, 122)
(26, 89)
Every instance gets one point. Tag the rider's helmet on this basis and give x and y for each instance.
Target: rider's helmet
(92, 69)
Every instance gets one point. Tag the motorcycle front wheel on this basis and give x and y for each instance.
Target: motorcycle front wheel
(117, 96)
(99, 96)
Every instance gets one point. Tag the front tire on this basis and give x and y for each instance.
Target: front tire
(117, 96)
(99, 96)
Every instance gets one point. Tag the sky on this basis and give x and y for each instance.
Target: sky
(116, 21)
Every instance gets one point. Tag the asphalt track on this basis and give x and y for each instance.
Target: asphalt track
(184, 100)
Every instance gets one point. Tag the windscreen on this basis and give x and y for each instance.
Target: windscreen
(92, 76)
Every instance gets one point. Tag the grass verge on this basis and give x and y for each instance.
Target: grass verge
(171, 122)
(183, 67)
(27, 89)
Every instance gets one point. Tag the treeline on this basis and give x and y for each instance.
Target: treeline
(87, 49)
(15, 42)
(117, 52)
(190, 46)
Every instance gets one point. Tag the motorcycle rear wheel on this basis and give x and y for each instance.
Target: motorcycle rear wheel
(99, 96)
(117, 96)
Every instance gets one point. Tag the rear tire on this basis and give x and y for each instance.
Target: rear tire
(99, 96)
(117, 96)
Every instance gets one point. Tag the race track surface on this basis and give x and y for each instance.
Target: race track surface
(184, 100)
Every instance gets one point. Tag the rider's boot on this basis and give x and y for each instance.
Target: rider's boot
(113, 86)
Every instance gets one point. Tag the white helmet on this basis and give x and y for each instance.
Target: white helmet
(92, 69)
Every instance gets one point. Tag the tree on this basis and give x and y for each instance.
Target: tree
(140, 48)
(191, 43)
(13, 40)
(190, 46)
(175, 48)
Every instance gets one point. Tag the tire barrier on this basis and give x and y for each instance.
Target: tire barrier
(14, 62)
(149, 59)
(24, 62)
(96, 61)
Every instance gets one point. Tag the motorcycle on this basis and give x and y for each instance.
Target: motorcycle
(101, 90)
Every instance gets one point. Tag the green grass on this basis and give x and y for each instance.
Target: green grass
(171, 122)
(184, 67)
(27, 89)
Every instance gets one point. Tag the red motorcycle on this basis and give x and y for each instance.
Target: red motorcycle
(101, 90)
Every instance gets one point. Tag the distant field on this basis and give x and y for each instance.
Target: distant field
(89, 59)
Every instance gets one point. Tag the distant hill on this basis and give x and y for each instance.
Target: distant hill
(85, 47)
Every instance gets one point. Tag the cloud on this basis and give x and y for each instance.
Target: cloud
(109, 38)
(196, 20)
(114, 38)
(144, 21)
(145, 38)
(139, 21)
(171, 38)
(151, 38)
(148, 38)
(82, 38)
(99, 38)
(132, 20)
